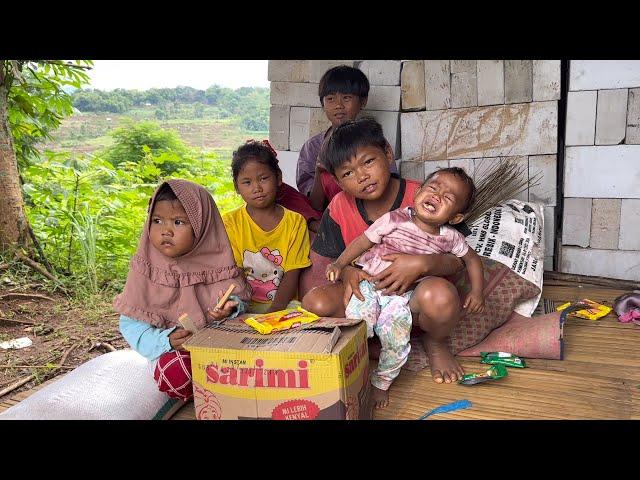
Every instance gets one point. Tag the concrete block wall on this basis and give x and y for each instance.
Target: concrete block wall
(601, 220)
(471, 113)
(296, 113)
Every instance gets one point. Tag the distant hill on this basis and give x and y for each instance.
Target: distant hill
(249, 104)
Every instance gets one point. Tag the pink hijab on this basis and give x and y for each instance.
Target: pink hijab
(159, 289)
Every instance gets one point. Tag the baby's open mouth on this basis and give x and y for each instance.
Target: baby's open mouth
(429, 206)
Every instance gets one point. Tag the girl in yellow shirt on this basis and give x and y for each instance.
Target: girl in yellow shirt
(270, 242)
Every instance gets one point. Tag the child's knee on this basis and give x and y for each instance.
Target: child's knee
(321, 302)
(172, 374)
(437, 295)
(315, 301)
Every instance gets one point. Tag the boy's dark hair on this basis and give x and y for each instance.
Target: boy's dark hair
(343, 79)
(462, 175)
(254, 150)
(166, 193)
(347, 138)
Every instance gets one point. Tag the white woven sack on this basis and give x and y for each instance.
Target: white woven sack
(115, 386)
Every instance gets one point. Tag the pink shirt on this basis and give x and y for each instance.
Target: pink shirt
(395, 232)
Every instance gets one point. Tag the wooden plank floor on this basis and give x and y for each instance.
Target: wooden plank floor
(598, 379)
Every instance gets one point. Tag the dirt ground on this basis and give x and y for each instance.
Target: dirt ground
(54, 324)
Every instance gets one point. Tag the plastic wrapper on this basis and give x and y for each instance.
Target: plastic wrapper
(502, 358)
(281, 320)
(496, 372)
(593, 312)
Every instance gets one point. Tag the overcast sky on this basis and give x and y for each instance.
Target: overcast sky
(200, 74)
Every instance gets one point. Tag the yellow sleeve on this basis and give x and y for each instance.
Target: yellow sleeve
(298, 244)
(234, 234)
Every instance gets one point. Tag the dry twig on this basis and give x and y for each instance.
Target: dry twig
(15, 320)
(25, 287)
(25, 295)
(18, 384)
(37, 366)
(40, 269)
(2, 384)
(24, 380)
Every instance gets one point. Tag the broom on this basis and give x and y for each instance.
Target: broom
(503, 181)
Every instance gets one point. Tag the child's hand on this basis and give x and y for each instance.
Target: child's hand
(178, 337)
(333, 272)
(474, 302)
(223, 312)
(351, 278)
(398, 277)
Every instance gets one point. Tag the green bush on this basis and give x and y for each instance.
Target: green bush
(134, 142)
(88, 214)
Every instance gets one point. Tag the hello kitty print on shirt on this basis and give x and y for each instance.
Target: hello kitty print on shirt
(264, 272)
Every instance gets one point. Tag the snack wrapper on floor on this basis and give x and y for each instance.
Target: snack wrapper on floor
(502, 358)
(593, 312)
(496, 372)
(281, 320)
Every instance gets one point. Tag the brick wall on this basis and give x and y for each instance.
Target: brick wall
(464, 113)
(601, 219)
(470, 113)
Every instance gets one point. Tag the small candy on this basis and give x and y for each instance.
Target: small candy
(494, 373)
(502, 358)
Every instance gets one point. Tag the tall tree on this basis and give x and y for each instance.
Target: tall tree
(33, 101)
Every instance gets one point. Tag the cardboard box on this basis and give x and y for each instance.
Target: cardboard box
(300, 374)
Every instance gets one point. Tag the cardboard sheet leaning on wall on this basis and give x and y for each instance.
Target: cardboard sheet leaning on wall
(512, 233)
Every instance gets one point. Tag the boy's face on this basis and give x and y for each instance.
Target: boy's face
(258, 184)
(366, 175)
(171, 232)
(341, 107)
(441, 199)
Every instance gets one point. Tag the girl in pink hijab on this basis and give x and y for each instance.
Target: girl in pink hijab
(183, 264)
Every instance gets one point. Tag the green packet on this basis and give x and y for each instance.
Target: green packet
(502, 358)
(494, 373)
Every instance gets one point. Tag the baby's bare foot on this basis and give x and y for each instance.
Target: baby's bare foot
(380, 397)
(444, 367)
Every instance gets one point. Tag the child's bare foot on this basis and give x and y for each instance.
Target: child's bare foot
(444, 367)
(380, 397)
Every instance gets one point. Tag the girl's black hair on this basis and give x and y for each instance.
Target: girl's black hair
(347, 138)
(254, 150)
(343, 79)
(462, 175)
(166, 193)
